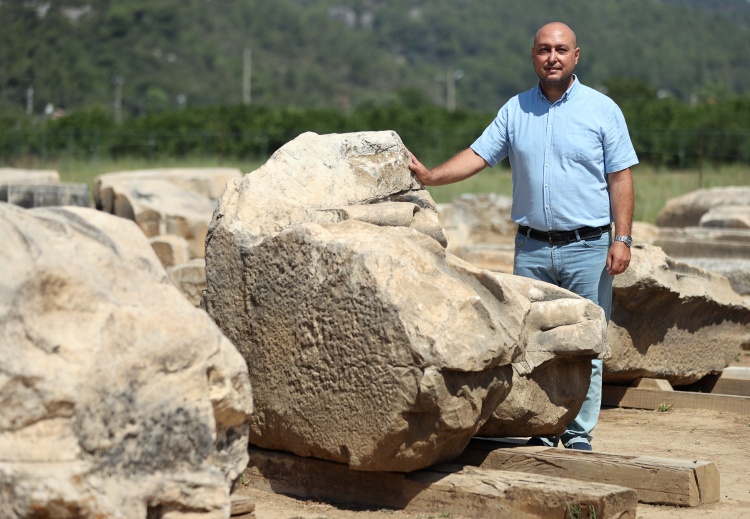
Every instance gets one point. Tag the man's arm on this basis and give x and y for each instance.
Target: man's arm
(460, 167)
(622, 199)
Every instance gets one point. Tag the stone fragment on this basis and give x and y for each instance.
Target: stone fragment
(119, 398)
(28, 176)
(672, 321)
(704, 242)
(736, 270)
(479, 230)
(550, 384)
(477, 219)
(171, 249)
(165, 201)
(44, 195)
(687, 210)
(727, 217)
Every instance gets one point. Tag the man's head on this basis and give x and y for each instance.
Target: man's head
(555, 56)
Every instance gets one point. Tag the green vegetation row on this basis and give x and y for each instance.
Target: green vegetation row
(666, 132)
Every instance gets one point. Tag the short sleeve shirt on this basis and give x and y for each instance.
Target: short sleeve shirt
(560, 154)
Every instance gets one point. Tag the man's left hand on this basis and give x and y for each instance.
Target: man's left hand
(618, 258)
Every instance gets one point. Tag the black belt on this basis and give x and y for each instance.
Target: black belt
(560, 237)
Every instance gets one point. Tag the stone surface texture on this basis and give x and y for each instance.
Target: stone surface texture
(119, 398)
(367, 343)
(673, 321)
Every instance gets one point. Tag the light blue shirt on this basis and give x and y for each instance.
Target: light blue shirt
(560, 154)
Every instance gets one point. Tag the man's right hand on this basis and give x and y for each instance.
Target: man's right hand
(458, 168)
(419, 169)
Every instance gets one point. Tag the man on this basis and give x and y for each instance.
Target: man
(570, 155)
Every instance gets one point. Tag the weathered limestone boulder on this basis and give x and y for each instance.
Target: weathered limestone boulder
(119, 398)
(190, 278)
(368, 344)
(165, 201)
(673, 321)
(687, 210)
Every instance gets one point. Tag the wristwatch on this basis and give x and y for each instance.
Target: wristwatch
(627, 240)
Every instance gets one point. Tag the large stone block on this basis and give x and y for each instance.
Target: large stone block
(119, 398)
(367, 343)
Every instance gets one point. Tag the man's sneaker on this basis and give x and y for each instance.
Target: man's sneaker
(580, 446)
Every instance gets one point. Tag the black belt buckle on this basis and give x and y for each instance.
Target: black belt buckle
(560, 237)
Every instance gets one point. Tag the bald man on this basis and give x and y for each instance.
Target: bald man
(570, 156)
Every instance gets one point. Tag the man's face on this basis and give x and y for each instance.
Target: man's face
(555, 56)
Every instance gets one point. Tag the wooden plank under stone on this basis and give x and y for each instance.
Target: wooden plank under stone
(637, 398)
(734, 380)
(241, 505)
(443, 489)
(656, 480)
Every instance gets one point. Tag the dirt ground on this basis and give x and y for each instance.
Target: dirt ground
(720, 437)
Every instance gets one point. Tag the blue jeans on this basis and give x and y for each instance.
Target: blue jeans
(581, 268)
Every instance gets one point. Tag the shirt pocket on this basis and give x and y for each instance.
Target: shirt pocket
(582, 146)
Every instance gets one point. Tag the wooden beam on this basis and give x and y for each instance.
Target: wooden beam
(637, 398)
(652, 383)
(443, 489)
(242, 506)
(734, 380)
(656, 480)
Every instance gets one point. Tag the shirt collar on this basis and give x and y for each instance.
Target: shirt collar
(570, 92)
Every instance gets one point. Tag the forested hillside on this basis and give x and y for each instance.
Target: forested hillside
(167, 54)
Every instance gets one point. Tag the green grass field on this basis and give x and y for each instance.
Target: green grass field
(652, 187)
